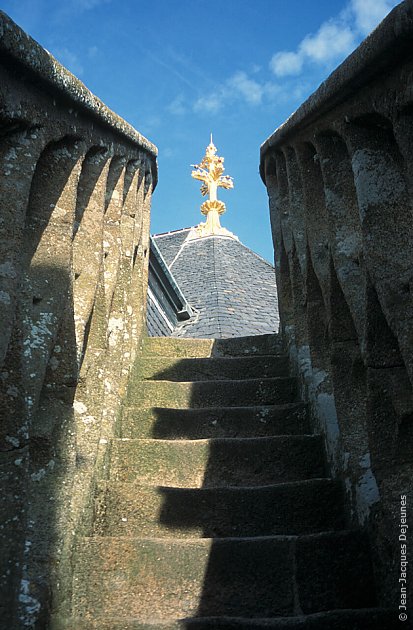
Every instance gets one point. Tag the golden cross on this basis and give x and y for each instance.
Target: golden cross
(210, 173)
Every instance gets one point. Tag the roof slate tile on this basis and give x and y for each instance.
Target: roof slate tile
(232, 288)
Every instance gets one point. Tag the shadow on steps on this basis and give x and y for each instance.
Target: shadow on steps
(277, 548)
(223, 517)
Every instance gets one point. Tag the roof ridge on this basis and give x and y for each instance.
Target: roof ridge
(257, 255)
(216, 288)
(171, 232)
(182, 245)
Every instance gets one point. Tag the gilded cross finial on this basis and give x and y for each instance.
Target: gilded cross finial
(210, 172)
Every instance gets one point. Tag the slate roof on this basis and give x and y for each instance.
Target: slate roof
(231, 289)
(167, 307)
(157, 324)
(170, 243)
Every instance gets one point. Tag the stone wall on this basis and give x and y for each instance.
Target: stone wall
(75, 190)
(339, 175)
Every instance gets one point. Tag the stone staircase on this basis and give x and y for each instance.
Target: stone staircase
(218, 511)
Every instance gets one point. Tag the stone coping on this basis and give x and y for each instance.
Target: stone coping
(382, 49)
(21, 48)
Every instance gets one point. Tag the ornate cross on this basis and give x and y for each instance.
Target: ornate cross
(210, 173)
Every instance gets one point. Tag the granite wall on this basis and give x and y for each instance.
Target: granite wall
(339, 175)
(75, 189)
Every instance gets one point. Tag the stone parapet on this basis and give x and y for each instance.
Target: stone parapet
(75, 189)
(383, 50)
(22, 52)
(339, 177)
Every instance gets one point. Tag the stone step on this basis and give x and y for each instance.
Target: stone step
(306, 507)
(247, 346)
(361, 619)
(172, 424)
(230, 393)
(260, 577)
(218, 462)
(238, 346)
(224, 368)
(182, 348)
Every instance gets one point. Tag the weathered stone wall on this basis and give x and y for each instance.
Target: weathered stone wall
(339, 175)
(75, 189)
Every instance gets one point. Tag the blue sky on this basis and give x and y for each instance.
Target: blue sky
(180, 69)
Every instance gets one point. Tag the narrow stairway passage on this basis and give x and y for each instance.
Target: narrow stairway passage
(218, 511)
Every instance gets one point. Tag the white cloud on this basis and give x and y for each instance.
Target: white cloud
(239, 86)
(335, 39)
(331, 41)
(249, 89)
(210, 104)
(177, 106)
(286, 63)
(368, 13)
(329, 45)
